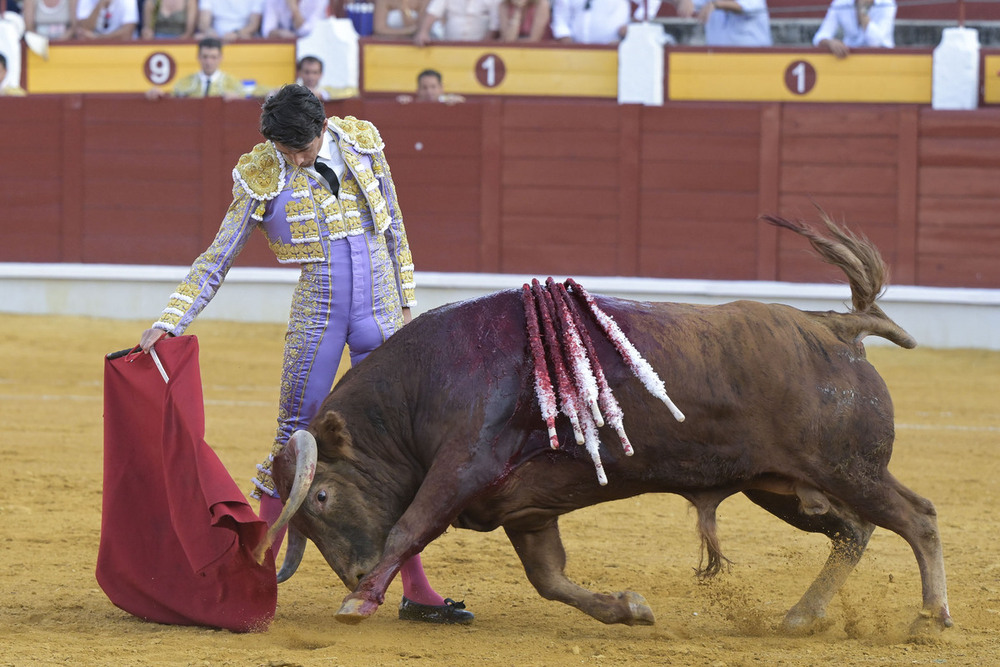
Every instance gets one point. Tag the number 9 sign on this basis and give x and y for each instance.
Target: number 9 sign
(159, 68)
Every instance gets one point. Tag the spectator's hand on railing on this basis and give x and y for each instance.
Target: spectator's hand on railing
(836, 47)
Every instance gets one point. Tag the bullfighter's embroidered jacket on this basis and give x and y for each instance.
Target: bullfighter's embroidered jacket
(296, 212)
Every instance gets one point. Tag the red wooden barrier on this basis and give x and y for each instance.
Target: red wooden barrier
(537, 187)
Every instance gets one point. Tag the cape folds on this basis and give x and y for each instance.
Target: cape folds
(176, 532)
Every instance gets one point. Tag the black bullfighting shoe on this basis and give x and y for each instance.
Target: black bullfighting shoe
(449, 612)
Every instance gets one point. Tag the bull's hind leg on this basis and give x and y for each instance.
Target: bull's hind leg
(850, 536)
(893, 506)
(544, 559)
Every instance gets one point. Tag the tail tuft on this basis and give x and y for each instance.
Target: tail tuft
(864, 267)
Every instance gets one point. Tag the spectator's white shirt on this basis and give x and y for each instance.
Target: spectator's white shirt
(595, 21)
(231, 15)
(278, 15)
(842, 17)
(751, 27)
(117, 14)
(466, 20)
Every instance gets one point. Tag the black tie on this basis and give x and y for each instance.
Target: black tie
(330, 177)
(208, 84)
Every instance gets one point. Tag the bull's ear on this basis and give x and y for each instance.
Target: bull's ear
(332, 437)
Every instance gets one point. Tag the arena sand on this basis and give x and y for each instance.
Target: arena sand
(53, 612)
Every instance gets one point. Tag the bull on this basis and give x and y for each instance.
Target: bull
(441, 426)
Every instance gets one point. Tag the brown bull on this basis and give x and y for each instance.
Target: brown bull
(441, 426)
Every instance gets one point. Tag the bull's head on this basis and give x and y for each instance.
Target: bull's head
(325, 503)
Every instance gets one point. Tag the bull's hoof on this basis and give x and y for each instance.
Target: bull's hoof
(639, 611)
(930, 623)
(354, 610)
(800, 622)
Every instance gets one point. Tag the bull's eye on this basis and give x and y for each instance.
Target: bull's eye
(321, 496)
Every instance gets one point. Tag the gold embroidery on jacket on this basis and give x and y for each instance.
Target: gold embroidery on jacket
(360, 134)
(261, 172)
(367, 187)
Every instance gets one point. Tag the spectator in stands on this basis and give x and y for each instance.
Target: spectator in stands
(430, 88)
(309, 71)
(169, 19)
(861, 23)
(290, 19)
(8, 89)
(730, 22)
(596, 21)
(398, 18)
(55, 19)
(209, 81)
(230, 20)
(524, 20)
(464, 20)
(106, 19)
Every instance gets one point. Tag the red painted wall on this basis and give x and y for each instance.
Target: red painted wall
(537, 187)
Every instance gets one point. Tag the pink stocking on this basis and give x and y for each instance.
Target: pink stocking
(415, 585)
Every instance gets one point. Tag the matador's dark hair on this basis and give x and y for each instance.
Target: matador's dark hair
(293, 116)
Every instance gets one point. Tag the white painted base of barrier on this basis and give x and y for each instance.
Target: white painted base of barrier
(935, 316)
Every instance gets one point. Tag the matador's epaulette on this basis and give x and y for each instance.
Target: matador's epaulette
(360, 134)
(261, 172)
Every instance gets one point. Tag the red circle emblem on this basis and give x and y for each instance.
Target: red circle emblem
(490, 70)
(159, 68)
(800, 77)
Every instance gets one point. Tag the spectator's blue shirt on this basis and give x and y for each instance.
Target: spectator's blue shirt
(752, 27)
(842, 18)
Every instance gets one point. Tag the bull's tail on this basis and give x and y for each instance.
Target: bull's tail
(866, 272)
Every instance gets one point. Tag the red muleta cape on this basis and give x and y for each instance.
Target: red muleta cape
(176, 531)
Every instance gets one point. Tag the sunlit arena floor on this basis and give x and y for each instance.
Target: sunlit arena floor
(52, 610)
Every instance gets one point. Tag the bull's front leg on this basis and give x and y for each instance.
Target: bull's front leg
(544, 559)
(438, 501)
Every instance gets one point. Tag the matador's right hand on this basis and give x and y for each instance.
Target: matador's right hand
(150, 337)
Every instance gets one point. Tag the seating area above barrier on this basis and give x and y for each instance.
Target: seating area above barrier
(546, 70)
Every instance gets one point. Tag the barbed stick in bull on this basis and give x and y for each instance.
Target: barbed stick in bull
(579, 375)
(781, 404)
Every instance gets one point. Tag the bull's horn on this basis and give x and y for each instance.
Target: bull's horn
(293, 554)
(305, 468)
